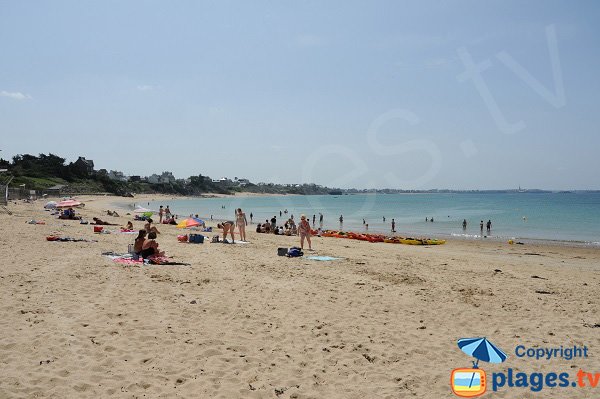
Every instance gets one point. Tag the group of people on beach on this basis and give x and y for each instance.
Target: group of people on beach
(488, 226)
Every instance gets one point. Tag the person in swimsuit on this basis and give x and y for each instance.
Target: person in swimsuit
(138, 244)
(241, 222)
(149, 228)
(304, 230)
(102, 222)
(227, 227)
(150, 247)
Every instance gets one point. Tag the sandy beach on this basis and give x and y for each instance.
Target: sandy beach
(242, 322)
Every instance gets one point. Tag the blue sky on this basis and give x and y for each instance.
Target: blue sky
(340, 93)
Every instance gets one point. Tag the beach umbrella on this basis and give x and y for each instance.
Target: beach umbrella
(50, 205)
(68, 203)
(190, 222)
(481, 349)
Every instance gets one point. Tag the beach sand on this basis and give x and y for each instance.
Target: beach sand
(241, 322)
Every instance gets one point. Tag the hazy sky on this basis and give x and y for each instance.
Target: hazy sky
(447, 94)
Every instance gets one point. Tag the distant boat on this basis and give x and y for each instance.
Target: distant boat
(335, 193)
(521, 190)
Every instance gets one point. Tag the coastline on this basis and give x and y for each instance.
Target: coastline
(244, 322)
(126, 204)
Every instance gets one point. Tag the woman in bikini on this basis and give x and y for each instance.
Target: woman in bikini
(227, 227)
(241, 222)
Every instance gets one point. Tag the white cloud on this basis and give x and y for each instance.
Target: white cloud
(17, 95)
(145, 87)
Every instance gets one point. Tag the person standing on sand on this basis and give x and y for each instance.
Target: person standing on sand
(304, 231)
(393, 226)
(320, 220)
(273, 223)
(160, 214)
(251, 217)
(314, 219)
(241, 222)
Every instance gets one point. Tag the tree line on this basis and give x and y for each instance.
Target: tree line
(42, 171)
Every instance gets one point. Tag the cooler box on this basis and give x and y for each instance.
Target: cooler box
(98, 229)
(196, 238)
(282, 251)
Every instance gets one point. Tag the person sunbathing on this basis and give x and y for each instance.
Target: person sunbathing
(149, 228)
(138, 244)
(129, 226)
(68, 214)
(150, 247)
(102, 222)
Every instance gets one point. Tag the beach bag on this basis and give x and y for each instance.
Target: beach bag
(282, 251)
(294, 252)
(98, 229)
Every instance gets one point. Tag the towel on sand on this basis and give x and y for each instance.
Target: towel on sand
(322, 258)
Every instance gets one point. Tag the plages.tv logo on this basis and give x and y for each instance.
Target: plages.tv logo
(471, 382)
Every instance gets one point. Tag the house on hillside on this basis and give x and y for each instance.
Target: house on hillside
(153, 179)
(242, 182)
(85, 165)
(165, 177)
(116, 175)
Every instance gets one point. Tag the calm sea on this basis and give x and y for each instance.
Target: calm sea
(570, 217)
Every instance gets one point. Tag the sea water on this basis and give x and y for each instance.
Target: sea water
(568, 217)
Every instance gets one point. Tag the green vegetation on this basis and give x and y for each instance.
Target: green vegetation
(46, 171)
